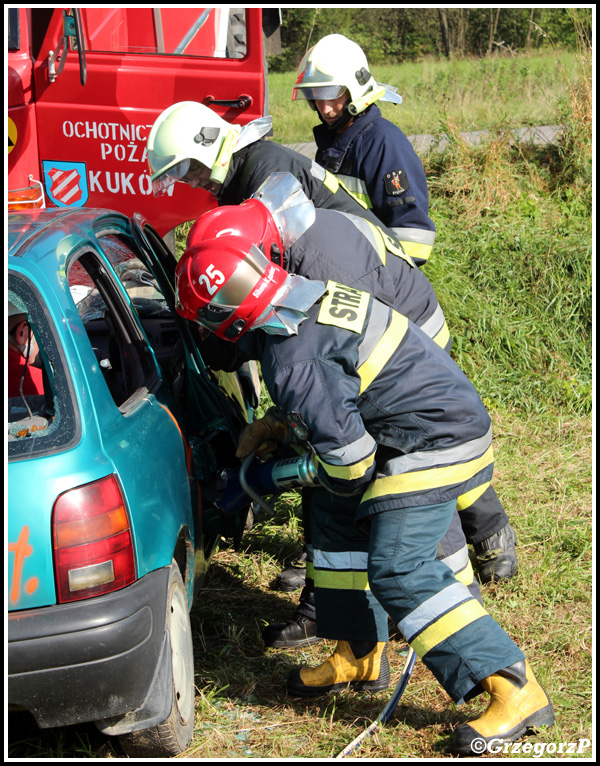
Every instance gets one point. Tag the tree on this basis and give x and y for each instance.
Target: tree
(444, 31)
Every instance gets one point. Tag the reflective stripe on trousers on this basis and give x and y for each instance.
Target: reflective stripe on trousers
(448, 628)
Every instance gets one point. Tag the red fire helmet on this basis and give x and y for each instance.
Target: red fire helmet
(251, 220)
(226, 283)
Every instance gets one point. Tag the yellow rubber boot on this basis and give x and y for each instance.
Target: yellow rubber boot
(518, 703)
(360, 665)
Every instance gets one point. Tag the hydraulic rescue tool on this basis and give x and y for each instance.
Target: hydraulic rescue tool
(254, 480)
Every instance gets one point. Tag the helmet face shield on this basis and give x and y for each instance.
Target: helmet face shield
(251, 275)
(319, 92)
(167, 178)
(191, 172)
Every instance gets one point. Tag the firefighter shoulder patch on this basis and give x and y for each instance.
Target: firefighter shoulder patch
(396, 183)
(344, 307)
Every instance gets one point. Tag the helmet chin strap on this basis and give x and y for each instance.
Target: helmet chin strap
(352, 109)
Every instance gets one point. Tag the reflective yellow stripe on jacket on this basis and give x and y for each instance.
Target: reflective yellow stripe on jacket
(418, 243)
(428, 479)
(333, 183)
(383, 350)
(433, 469)
(350, 462)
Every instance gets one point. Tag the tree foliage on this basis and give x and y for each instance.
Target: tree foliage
(391, 35)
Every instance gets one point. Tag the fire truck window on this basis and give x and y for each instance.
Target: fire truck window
(189, 31)
(13, 29)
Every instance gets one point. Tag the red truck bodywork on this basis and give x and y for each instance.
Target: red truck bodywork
(86, 143)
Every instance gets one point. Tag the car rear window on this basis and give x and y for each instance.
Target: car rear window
(41, 415)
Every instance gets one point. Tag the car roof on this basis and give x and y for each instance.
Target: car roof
(25, 227)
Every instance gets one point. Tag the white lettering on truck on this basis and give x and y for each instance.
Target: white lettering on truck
(124, 152)
(105, 131)
(123, 143)
(121, 183)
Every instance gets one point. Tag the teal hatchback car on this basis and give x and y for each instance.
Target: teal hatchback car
(113, 471)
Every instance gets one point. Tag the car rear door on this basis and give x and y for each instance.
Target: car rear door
(223, 400)
(97, 100)
(211, 406)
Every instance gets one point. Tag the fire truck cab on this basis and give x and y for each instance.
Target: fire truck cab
(85, 86)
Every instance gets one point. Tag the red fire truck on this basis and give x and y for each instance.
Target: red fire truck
(85, 86)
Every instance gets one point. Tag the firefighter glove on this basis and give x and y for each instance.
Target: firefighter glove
(263, 435)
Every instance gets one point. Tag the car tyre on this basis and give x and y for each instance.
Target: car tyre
(174, 735)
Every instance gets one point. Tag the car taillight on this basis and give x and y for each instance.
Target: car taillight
(93, 550)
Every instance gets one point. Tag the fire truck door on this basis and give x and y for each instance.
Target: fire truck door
(138, 61)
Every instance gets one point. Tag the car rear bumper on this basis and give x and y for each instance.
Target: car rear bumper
(90, 660)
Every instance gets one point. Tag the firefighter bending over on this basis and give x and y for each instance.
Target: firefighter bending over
(398, 433)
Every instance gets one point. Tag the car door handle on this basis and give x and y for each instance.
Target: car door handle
(242, 102)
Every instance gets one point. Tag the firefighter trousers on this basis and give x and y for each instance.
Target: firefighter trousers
(396, 571)
(337, 563)
(483, 516)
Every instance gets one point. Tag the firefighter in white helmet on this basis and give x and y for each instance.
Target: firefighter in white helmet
(191, 143)
(397, 433)
(373, 156)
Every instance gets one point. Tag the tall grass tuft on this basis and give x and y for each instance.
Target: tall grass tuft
(576, 114)
(512, 264)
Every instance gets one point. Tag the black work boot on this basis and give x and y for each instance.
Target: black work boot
(294, 577)
(517, 703)
(361, 665)
(301, 630)
(496, 556)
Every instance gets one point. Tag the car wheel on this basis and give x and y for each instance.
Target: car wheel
(174, 735)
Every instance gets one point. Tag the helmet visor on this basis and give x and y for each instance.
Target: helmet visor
(253, 276)
(170, 176)
(318, 92)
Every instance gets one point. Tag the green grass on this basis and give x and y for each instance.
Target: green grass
(477, 94)
(525, 346)
(512, 269)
